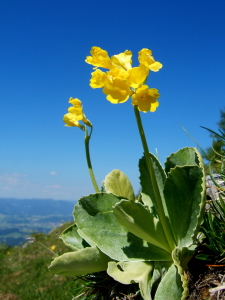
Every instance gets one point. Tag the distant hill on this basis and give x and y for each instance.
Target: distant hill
(20, 218)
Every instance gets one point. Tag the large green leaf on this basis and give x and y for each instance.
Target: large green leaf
(88, 260)
(138, 220)
(117, 183)
(72, 239)
(171, 286)
(148, 196)
(185, 199)
(184, 157)
(130, 272)
(95, 219)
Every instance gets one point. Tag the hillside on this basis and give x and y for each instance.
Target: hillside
(24, 271)
(20, 218)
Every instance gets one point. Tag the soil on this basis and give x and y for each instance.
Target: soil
(203, 280)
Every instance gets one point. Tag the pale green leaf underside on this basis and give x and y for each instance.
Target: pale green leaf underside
(88, 260)
(130, 272)
(138, 220)
(148, 196)
(72, 239)
(183, 157)
(181, 257)
(117, 183)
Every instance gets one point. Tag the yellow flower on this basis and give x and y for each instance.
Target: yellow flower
(72, 120)
(137, 76)
(145, 57)
(117, 91)
(116, 73)
(145, 99)
(121, 81)
(77, 106)
(75, 102)
(99, 58)
(53, 247)
(123, 60)
(97, 80)
(75, 114)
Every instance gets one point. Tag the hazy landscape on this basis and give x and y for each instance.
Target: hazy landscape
(20, 218)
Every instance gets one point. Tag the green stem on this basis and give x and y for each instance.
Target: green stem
(86, 142)
(161, 213)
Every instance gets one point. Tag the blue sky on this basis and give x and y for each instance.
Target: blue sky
(43, 48)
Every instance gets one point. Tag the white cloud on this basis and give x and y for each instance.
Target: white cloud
(53, 173)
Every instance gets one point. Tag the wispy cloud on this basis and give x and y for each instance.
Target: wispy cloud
(11, 179)
(24, 186)
(55, 186)
(53, 173)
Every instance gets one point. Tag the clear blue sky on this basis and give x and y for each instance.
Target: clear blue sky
(43, 48)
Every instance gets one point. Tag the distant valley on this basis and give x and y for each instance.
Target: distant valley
(20, 218)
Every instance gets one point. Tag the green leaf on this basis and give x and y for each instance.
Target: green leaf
(171, 286)
(130, 272)
(95, 219)
(72, 239)
(160, 269)
(139, 221)
(88, 260)
(118, 184)
(185, 202)
(203, 256)
(188, 156)
(181, 257)
(148, 196)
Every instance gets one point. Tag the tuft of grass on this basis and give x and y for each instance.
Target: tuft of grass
(100, 286)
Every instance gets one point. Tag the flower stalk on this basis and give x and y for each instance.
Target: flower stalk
(88, 158)
(161, 213)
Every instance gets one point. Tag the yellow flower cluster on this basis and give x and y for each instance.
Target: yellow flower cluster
(75, 114)
(123, 81)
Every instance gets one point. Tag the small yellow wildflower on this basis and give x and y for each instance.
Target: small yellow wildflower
(75, 114)
(97, 80)
(145, 57)
(116, 73)
(117, 91)
(99, 58)
(145, 99)
(53, 247)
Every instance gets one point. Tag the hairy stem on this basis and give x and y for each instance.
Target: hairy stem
(161, 214)
(88, 158)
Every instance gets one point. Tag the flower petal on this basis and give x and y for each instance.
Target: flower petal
(145, 99)
(97, 80)
(145, 57)
(117, 91)
(99, 58)
(123, 60)
(137, 76)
